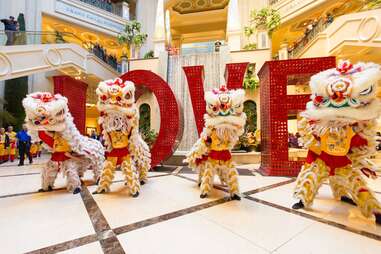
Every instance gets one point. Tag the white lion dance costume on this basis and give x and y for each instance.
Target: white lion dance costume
(338, 128)
(119, 120)
(48, 119)
(224, 124)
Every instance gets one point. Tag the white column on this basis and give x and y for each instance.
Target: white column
(234, 26)
(283, 51)
(159, 38)
(146, 15)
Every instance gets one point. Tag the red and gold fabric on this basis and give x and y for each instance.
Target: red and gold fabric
(12, 144)
(334, 148)
(119, 153)
(59, 145)
(3, 149)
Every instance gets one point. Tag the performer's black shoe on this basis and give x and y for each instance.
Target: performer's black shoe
(235, 197)
(142, 182)
(20, 164)
(348, 200)
(99, 192)
(50, 188)
(77, 190)
(199, 184)
(203, 195)
(135, 195)
(298, 205)
(378, 218)
(97, 182)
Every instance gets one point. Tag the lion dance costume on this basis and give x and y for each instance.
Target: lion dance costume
(211, 154)
(338, 128)
(48, 119)
(119, 120)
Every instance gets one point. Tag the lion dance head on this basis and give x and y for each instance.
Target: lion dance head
(224, 109)
(346, 93)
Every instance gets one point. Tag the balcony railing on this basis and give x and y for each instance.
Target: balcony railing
(102, 4)
(107, 5)
(272, 2)
(299, 45)
(11, 38)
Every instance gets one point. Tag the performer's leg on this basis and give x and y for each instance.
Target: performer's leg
(71, 170)
(107, 175)
(353, 185)
(232, 180)
(207, 179)
(143, 166)
(48, 176)
(309, 180)
(131, 176)
(200, 174)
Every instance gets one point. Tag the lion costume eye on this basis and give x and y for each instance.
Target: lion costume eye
(127, 96)
(367, 91)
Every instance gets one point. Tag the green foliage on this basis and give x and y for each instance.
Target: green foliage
(248, 141)
(7, 118)
(266, 18)
(250, 46)
(14, 92)
(251, 80)
(132, 35)
(372, 4)
(250, 109)
(149, 54)
(149, 136)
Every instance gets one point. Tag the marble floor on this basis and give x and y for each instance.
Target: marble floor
(169, 217)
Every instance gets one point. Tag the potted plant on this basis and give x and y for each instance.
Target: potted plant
(264, 20)
(149, 54)
(132, 37)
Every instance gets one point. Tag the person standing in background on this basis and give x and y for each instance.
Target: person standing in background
(12, 143)
(4, 143)
(24, 143)
(10, 27)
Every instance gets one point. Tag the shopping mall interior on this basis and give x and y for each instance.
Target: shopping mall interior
(174, 51)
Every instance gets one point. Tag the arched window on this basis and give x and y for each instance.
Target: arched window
(250, 108)
(145, 117)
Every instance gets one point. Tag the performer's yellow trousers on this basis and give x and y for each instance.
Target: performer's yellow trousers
(129, 170)
(345, 182)
(224, 169)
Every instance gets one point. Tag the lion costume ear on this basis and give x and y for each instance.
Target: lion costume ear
(368, 76)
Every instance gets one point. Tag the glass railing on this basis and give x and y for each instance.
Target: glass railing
(12, 38)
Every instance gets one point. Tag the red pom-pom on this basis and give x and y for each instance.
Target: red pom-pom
(118, 98)
(103, 97)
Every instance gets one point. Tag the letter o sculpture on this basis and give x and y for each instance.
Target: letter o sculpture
(171, 118)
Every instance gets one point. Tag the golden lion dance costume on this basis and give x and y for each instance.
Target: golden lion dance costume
(48, 119)
(211, 154)
(338, 128)
(119, 121)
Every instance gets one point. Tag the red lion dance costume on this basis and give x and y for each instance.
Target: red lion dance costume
(338, 128)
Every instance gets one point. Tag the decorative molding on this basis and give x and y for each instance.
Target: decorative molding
(53, 56)
(364, 31)
(5, 65)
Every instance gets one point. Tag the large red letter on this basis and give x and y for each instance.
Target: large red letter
(234, 76)
(171, 119)
(275, 107)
